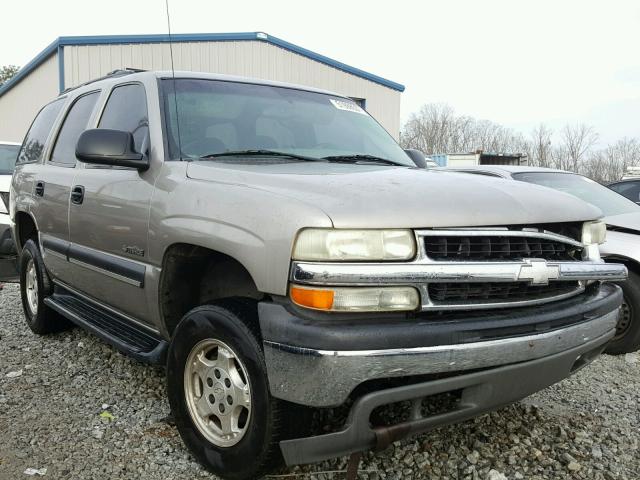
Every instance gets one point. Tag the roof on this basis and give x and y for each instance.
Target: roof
(60, 42)
(132, 75)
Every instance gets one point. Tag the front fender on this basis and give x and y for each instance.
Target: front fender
(253, 226)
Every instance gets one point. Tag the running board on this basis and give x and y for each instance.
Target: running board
(123, 334)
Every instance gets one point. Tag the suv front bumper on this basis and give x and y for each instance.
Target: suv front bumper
(478, 393)
(308, 361)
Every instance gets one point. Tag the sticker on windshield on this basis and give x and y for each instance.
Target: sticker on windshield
(347, 105)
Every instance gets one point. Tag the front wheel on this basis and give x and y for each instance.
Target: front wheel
(627, 337)
(219, 392)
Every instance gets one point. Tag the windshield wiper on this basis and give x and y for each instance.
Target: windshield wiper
(261, 153)
(360, 158)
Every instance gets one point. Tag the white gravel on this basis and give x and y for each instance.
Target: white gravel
(81, 410)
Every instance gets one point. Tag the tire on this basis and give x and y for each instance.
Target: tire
(233, 326)
(35, 286)
(627, 337)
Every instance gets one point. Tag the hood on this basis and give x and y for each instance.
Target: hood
(378, 196)
(627, 221)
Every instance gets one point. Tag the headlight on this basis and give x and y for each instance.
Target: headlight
(349, 299)
(334, 245)
(594, 233)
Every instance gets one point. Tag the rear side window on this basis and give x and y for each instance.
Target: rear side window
(33, 145)
(127, 110)
(74, 124)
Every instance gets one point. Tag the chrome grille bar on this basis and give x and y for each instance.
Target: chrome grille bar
(423, 271)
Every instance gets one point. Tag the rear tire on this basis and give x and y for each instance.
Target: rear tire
(627, 337)
(35, 286)
(216, 366)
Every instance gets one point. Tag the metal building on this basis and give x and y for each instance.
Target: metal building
(70, 61)
(478, 158)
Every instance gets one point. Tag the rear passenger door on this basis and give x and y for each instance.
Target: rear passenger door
(109, 228)
(29, 162)
(52, 187)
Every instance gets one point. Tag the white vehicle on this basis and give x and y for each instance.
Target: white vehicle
(622, 217)
(8, 154)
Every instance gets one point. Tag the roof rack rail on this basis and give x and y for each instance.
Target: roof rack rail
(114, 73)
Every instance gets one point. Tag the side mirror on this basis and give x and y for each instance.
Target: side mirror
(101, 146)
(417, 156)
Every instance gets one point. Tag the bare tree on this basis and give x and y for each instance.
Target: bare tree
(577, 141)
(437, 129)
(541, 151)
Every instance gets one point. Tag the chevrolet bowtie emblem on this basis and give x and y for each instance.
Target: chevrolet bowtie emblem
(538, 272)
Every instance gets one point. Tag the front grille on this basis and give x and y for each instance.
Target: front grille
(496, 292)
(497, 247)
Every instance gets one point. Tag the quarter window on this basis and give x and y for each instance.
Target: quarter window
(127, 110)
(33, 145)
(74, 124)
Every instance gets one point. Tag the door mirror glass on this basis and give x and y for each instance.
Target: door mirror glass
(101, 146)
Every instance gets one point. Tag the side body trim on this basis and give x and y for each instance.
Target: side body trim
(121, 269)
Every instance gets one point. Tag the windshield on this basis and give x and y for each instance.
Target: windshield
(219, 116)
(584, 188)
(8, 155)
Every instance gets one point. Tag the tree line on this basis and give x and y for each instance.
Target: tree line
(436, 128)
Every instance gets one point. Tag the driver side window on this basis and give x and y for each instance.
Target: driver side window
(126, 110)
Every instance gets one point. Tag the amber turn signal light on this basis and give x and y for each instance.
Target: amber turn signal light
(312, 298)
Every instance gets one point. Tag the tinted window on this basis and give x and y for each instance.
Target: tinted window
(631, 190)
(74, 124)
(33, 146)
(127, 110)
(582, 187)
(8, 155)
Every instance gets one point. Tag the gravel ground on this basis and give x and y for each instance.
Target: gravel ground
(75, 406)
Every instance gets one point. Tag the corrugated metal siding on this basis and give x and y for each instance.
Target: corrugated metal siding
(19, 105)
(246, 58)
(462, 159)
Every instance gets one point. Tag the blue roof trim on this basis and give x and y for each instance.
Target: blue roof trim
(57, 45)
(329, 61)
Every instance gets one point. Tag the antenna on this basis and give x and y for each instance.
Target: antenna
(173, 76)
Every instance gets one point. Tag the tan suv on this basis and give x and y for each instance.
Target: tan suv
(276, 249)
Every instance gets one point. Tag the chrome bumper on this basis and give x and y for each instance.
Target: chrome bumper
(325, 378)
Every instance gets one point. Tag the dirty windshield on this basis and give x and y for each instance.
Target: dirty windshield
(219, 116)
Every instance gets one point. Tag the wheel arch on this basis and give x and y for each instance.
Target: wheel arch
(630, 263)
(193, 275)
(26, 228)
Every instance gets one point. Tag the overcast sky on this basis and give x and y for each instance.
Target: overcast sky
(517, 63)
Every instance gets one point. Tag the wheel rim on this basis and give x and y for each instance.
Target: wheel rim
(218, 393)
(31, 287)
(624, 320)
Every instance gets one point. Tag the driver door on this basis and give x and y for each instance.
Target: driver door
(109, 224)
